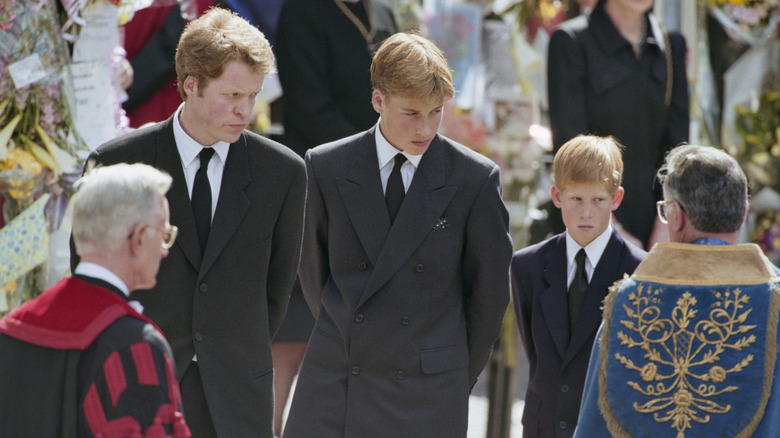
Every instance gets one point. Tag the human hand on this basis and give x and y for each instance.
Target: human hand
(126, 74)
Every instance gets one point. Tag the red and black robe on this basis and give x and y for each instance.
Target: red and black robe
(78, 361)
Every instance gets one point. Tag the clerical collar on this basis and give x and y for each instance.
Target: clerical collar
(710, 241)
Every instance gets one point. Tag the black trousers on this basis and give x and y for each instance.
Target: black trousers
(196, 408)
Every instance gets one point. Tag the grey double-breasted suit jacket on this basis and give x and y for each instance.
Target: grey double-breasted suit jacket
(226, 305)
(408, 312)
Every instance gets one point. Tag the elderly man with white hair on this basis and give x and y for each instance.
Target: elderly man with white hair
(81, 360)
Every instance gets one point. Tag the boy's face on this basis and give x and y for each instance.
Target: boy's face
(586, 209)
(408, 124)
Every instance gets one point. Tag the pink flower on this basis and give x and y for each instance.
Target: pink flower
(7, 14)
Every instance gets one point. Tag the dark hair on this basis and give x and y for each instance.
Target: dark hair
(710, 186)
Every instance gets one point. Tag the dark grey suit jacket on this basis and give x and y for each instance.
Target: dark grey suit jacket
(226, 306)
(408, 313)
(558, 363)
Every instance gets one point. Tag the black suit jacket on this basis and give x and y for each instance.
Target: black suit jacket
(408, 312)
(226, 305)
(558, 362)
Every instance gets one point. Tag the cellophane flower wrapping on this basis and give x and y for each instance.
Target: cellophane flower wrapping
(37, 138)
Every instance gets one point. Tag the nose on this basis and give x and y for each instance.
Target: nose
(587, 211)
(424, 129)
(244, 110)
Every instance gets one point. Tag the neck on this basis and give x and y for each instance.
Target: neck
(120, 268)
(187, 123)
(731, 238)
(628, 22)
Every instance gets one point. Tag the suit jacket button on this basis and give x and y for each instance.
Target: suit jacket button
(419, 268)
(355, 370)
(400, 375)
(362, 266)
(359, 318)
(204, 287)
(405, 320)
(565, 389)
(563, 425)
(198, 337)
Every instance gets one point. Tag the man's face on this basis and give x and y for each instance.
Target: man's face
(586, 209)
(408, 124)
(151, 251)
(220, 110)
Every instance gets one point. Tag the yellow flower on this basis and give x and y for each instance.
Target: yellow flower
(20, 158)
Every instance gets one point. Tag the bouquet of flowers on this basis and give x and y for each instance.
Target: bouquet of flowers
(752, 21)
(38, 144)
(759, 130)
(767, 234)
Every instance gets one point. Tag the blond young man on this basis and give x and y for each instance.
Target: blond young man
(222, 292)
(558, 304)
(408, 302)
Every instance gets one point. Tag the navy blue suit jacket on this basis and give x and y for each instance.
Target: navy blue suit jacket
(558, 362)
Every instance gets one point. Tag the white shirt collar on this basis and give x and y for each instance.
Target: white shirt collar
(189, 148)
(386, 152)
(593, 250)
(96, 271)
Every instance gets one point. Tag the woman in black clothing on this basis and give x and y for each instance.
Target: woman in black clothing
(617, 72)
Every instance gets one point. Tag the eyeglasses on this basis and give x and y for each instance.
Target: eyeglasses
(168, 235)
(663, 209)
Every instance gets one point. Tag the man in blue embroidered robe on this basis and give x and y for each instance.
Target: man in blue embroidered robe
(688, 345)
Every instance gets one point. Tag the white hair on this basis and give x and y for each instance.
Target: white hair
(110, 200)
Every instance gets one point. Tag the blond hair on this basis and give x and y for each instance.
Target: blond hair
(410, 66)
(216, 38)
(589, 159)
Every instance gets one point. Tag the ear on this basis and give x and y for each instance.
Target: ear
(136, 238)
(377, 98)
(555, 195)
(190, 86)
(618, 198)
(677, 219)
(745, 216)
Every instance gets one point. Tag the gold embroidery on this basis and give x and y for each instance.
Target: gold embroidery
(690, 349)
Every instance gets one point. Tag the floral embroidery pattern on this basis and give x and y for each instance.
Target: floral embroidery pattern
(682, 374)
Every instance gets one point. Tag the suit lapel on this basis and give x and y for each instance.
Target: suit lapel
(361, 192)
(232, 205)
(604, 276)
(554, 299)
(423, 205)
(178, 196)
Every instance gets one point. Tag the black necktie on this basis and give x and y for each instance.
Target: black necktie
(201, 198)
(578, 287)
(394, 193)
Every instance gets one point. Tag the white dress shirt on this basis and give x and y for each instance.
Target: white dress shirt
(93, 270)
(386, 153)
(188, 152)
(593, 252)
